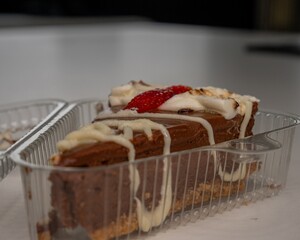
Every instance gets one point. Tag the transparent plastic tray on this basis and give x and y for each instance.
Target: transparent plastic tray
(98, 203)
(18, 121)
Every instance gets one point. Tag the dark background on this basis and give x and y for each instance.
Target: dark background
(273, 15)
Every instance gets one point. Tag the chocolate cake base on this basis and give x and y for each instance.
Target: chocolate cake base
(102, 203)
(199, 197)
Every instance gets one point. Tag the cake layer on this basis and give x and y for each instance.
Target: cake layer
(185, 134)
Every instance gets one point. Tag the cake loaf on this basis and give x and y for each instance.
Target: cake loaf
(148, 121)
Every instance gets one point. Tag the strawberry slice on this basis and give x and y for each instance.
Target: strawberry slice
(177, 89)
(151, 100)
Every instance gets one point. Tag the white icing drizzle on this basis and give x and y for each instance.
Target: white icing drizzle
(129, 113)
(93, 133)
(128, 133)
(202, 121)
(241, 172)
(148, 219)
(246, 119)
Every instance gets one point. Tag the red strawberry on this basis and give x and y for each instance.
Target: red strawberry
(152, 99)
(177, 89)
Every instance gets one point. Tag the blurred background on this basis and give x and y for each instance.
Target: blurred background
(275, 15)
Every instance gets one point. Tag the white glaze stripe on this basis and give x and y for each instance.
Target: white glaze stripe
(148, 219)
(241, 172)
(246, 119)
(128, 113)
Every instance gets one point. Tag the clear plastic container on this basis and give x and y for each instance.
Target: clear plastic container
(122, 199)
(18, 121)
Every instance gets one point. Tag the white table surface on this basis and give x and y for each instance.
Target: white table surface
(73, 62)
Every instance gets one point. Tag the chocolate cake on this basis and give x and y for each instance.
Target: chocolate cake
(115, 192)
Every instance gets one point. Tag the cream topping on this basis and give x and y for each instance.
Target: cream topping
(225, 107)
(123, 94)
(210, 99)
